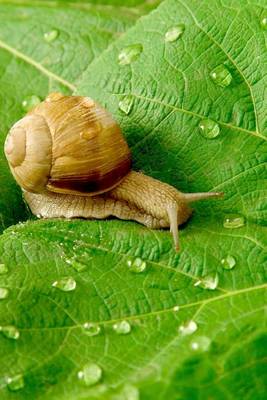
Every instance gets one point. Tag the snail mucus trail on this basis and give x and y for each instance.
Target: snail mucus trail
(71, 160)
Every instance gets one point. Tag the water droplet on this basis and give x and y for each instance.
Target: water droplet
(130, 53)
(228, 262)
(174, 33)
(208, 282)
(130, 392)
(15, 383)
(209, 128)
(29, 102)
(126, 104)
(66, 284)
(91, 329)
(90, 374)
(188, 328)
(137, 266)
(4, 292)
(264, 22)
(221, 76)
(200, 343)
(122, 327)
(3, 269)
(51, 35)
(10, 331)
(232, 221)
(176, 308)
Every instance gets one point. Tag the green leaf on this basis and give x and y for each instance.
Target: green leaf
(33, 64)
(154, 358)
(170, 91)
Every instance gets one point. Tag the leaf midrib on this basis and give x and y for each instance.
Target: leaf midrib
(200, 303)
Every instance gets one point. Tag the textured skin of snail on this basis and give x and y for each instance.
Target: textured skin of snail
(71, 161)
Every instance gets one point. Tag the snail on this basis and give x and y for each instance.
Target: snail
(71, 160)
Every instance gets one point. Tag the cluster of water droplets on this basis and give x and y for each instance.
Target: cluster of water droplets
(91, 373)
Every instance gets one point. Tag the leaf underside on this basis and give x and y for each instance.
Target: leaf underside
(172, 93)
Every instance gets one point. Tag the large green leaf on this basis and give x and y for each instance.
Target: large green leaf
(172, 92)
(30, 65)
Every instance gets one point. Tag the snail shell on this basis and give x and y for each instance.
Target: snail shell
(67, 144)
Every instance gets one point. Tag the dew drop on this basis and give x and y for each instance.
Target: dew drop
(176, 308)
(122, 327)
(29, 102)
(232, 221)
(264, 22)
(126, 104)
(200, 343)
(130, 392)
(91, 329)
(90, 374)
(221, 76)
(50, 36)
(3, 269)
(15, 383)
(174, 33)
(10, 332)
(209, 282)
(77, 265)
(228, 262)
(209, 128)
(137, 266)
(66, 284)
(4, 292)
(130, 53)
(188, 328)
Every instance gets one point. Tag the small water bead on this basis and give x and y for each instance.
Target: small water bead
(126, 104)
(29, 102)
(130, 53)
(176, 308)
(137, 266)
(91, 329)
(122, 327)
(174, 33)
(264, 22)
(188, 328)
(4, 292)
(209, 128)
(130, 392)
(233, 221)
(15, 383)
(66, 284)
(228, 262)
(209, 282)
(221, 76)
(3, 269)
(90, 374)
(76, 264)
(51, 35)
(10, 332)
(200, 343)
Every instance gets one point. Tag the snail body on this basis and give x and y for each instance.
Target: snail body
(71, 160)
